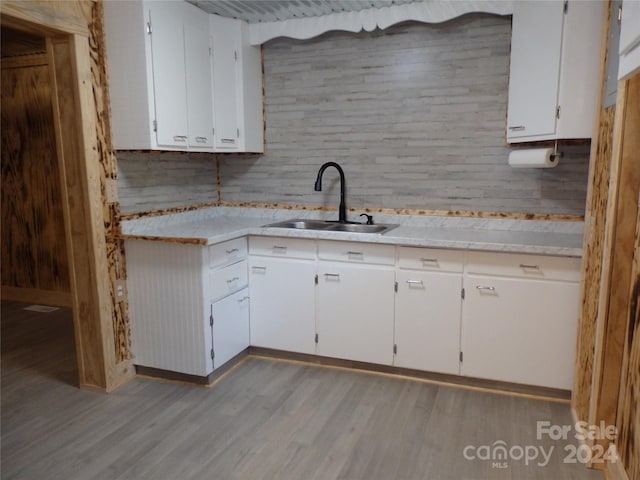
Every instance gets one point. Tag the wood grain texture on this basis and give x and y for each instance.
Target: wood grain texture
(415, 115)
(115, 253)
(33, 295)
(593, 248)
(50, 17)
(622, 215)
(628, 420)
(593, 239)
(264, 420)
(34, 255)
(86, 160)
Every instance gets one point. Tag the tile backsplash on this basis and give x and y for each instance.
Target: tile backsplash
(414, 114)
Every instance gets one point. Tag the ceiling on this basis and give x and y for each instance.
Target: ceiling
(256, 11)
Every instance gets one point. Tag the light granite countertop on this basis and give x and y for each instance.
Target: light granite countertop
(218, 224)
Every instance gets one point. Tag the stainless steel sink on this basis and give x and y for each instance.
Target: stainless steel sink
(333, 226)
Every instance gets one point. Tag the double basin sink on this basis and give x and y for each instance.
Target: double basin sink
(333, 226)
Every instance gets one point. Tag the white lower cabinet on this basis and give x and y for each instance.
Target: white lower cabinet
(230, 326)
(355, 313)
(521, 326)
(355, 301)
(282, 294)
(188, 305)
(427, 310)
(427, 321)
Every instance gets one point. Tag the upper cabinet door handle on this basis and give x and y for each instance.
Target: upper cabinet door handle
(179, 138)
(517, 128)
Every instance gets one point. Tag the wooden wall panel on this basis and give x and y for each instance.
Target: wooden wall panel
(76, 53)
(595, 218)
(33, 238)
(109, 171)
(629, 403)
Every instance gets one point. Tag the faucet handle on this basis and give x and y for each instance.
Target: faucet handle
(369, 218)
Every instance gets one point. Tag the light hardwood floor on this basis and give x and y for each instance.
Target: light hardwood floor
(265, 420)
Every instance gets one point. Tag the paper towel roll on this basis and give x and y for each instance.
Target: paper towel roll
(533, 158)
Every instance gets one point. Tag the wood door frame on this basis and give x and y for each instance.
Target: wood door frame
(75, 124)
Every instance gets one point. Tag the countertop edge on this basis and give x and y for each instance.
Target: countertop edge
(388, 239)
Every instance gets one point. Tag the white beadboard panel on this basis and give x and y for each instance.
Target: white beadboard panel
(414, 114)
(150, 181)
(168, 306)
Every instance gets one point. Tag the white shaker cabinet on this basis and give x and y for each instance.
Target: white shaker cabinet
(427, 310)
(554, 69)
(629, 39)
(174, 87)
(159, 75)
(282, 281)
(237, 87)
(356, 301)
(519, 319)
(230, 329)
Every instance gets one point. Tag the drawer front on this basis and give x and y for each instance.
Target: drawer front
(430, 259)
(357, 252)
(227, 252)
(283, 247)
(524, 266)
(229, 279)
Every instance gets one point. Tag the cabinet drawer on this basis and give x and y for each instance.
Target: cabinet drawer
(283, 247)
(357, 252)
(228, 279)
(430, 259)
(227, 252)
(524, 266)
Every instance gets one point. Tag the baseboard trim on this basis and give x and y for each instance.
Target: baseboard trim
(477, 384)
(35, 295)
(188, 379)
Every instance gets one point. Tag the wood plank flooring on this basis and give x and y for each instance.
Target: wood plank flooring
(265, 420)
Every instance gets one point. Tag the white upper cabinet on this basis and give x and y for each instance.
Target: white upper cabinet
(237, 87)
(629, 39)
(162, 86)
(555, 58)
(169, 73)
(197, 51)
(226, 71)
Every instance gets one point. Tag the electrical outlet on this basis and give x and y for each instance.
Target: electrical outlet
(111, 190)
(120, 287)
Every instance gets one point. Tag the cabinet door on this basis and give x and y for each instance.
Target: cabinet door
(225, 41)
(169, 83)
(198, 81)
(230, 328)
(520, 331)
(536, 43)
(629, 39)
(282, 304)
(355, 312)
(427, 321)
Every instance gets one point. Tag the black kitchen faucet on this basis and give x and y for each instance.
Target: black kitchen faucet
(342, 209)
